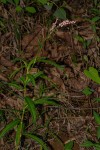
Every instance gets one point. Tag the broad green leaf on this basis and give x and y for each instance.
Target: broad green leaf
(16, 2)
(96, 117)
(98, 132)
(48, 6)
(30, 9)
(19, 8)
(37, 139)
(31, 108)
(87, 91)
(18, 134)
(92, 74)
(60, 13)
(47, 101)
(87, 144)
(9, 127)
(69, 146)
(43, 2)
(93, 71)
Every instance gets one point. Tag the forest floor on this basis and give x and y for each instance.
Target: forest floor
(76, 47)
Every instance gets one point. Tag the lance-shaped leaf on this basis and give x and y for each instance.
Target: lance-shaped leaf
(9, 127)
(42, 1)
(37, 139)
(96, 117)
(30, 9)
(46, 100)
(87, 144)
(43, 59)
(31, 108)
(98, 132)
(18, 134)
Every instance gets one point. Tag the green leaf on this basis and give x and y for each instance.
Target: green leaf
(19, 8)
(16, 2)
(9, 127)
(79, 38)
(87, 91)
(51, 63)
(18, 134)
(97, 99)
(32, 62)
(30, 9)
(46, 100)
(4, 1)
(32, 80)
(87, 144)
(96, 117)
(92, 73)
(31, 108)
(97, 146)
(69, 145)
(98, 132)
(15, 85)
(95, 19)
(43, 2)
(38, 74)
(48, 6)
(37, 139)
(60, 13)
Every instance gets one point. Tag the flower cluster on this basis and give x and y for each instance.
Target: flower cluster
(66, 22)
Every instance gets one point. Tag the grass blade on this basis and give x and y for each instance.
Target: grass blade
(9, 127)
(37, 139)
(50, 62)
(46, 100)
(18, 135)
(96, 117)
(31, 108)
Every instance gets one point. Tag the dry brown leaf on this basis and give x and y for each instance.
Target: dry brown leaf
(79, 83)
(3, 78)
(5, 62)
(13, 103)
(31, 42)
(65, 36)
